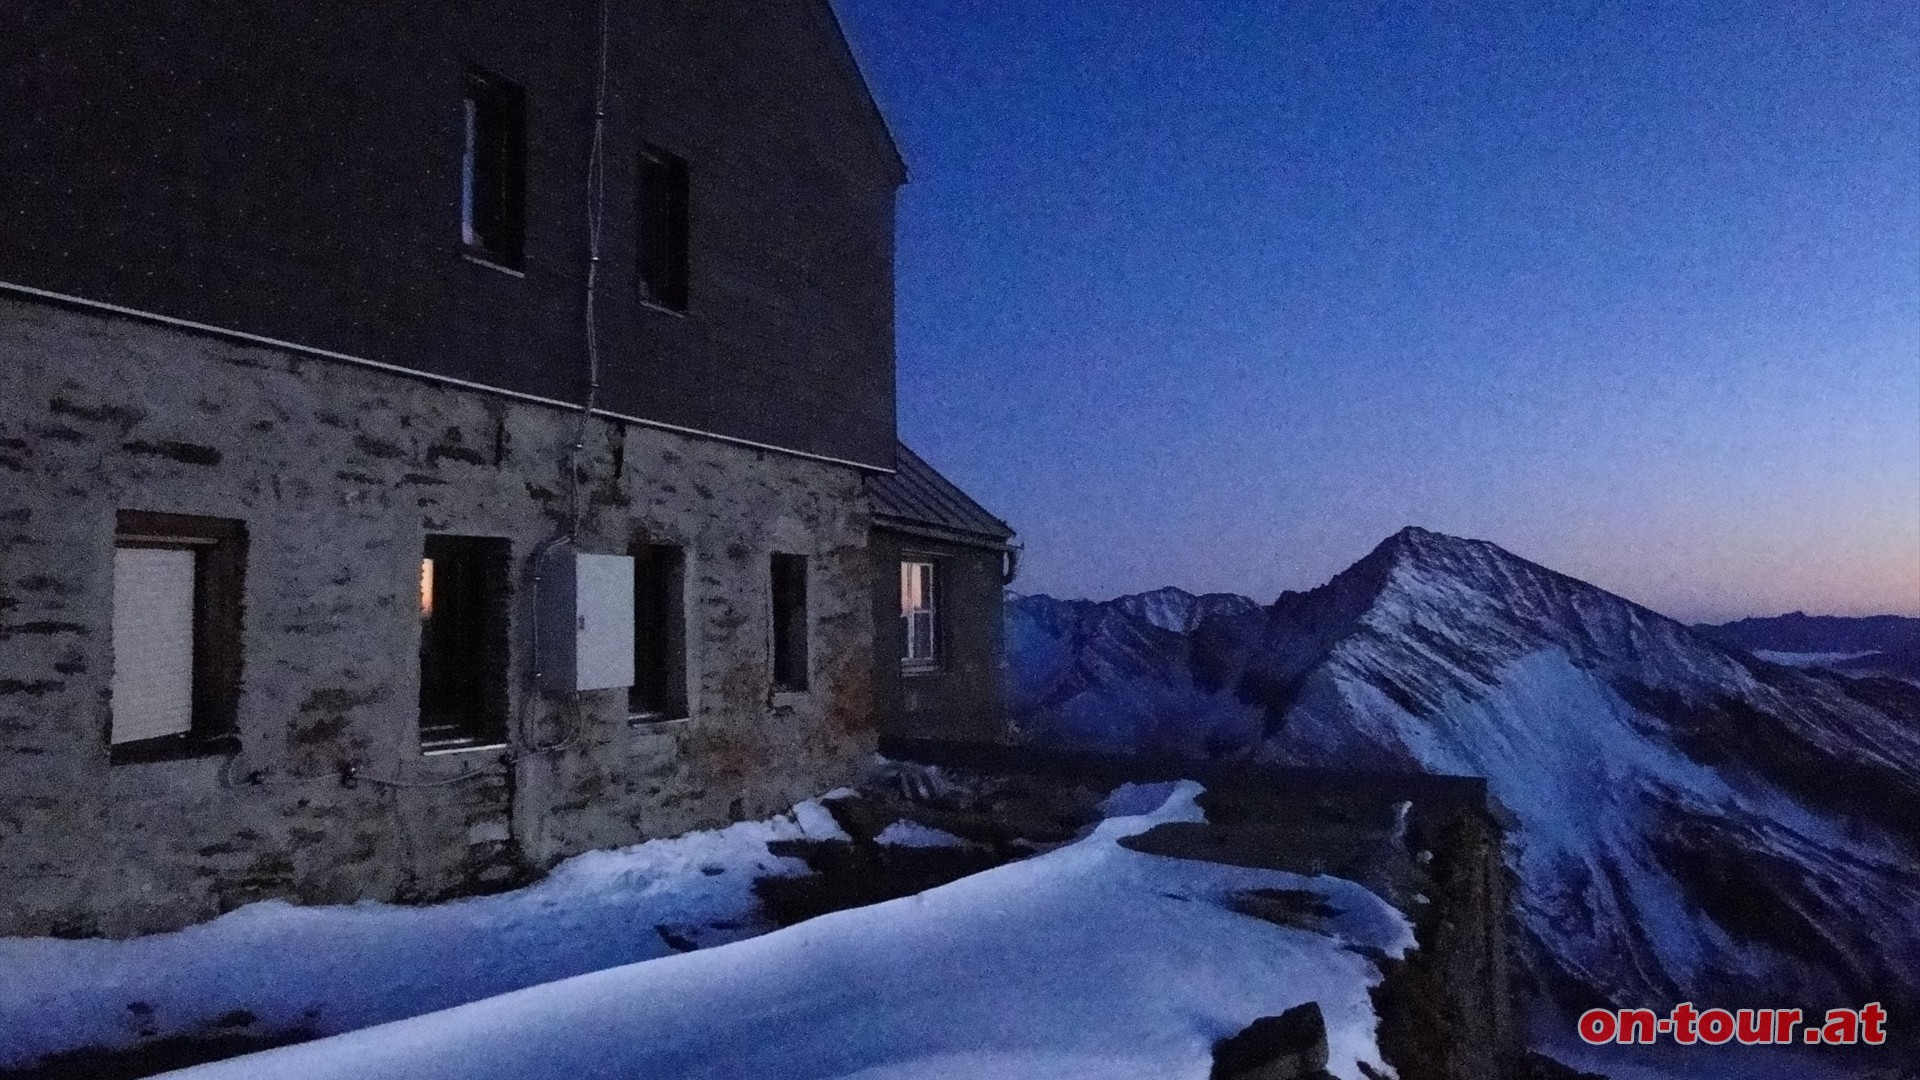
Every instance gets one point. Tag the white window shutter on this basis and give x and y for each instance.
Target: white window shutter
(152, 643)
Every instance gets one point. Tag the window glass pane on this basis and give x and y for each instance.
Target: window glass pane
(661, 223)
(923, 635)
(493, 169)
(463, 641)
(469, 234)
(919, 630)
(659, 633)
(916, 587)
(790, 622)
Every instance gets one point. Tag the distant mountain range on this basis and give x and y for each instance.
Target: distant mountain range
(1876, 644)
(1689, 821)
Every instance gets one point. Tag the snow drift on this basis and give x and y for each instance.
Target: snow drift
(325, 970)
(1090, 962)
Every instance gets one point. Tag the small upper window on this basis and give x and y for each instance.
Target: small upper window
(790, 622)
(662, 225)
(493, 181)
(919, 615)
(176, 633)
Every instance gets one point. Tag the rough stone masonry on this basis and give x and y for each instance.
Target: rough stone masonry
(338, 473)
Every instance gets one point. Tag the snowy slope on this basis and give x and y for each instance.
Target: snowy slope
(1690, 821)
(1091, 962)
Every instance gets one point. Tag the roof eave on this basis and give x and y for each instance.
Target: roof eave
(909, 527)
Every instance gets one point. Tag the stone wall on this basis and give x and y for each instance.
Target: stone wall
(1446, 1011)
(338, 472)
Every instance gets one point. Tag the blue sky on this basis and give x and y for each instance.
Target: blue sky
(1219, 294)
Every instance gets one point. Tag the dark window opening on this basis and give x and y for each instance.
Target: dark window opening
(463, 642)
(659, 634)
(177, 585)
(493, 170)
(790, 622)
(661, 221)
(919, 615)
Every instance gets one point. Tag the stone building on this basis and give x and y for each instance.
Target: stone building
(433, 440)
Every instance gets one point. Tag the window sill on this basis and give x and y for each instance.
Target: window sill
(481, 260)
(173, 748)
(651, 722)
(650, 305)
(911, 670)
(461, 748)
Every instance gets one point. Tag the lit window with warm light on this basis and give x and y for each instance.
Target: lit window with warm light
(919, 620)
(463, 642)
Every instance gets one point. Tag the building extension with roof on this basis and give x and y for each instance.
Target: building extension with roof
(939, 633)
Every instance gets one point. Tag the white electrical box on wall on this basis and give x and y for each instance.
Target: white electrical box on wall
(586, 621)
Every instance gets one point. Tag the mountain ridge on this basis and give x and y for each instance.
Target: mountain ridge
(1691, 818)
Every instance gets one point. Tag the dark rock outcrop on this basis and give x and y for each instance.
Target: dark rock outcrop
(1291, 1046)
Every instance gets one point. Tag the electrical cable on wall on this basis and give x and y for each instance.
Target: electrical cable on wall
(596, 210)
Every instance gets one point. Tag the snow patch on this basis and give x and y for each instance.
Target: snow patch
(1809, 659)
(334, 969)
(1128, 800)
(912, 834)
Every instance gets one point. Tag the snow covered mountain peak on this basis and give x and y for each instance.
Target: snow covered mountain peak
(1427, 615)
(1178, 610)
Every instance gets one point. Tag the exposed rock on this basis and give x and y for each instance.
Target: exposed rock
(1290, 1046)
(1299, 908)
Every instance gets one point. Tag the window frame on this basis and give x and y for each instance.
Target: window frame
(935, 661)
(481, 656)
(219, 547)
(790, 627)
(662, 229)
(485, 90)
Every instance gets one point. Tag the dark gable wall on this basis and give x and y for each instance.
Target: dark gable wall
(293, 172)
(964, 700)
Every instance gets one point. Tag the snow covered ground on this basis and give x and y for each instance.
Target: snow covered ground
(334, 969)
(1091, 961)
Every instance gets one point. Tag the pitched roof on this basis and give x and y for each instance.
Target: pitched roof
(916, 494)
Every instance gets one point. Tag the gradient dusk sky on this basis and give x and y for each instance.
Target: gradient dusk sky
(1220, 293)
